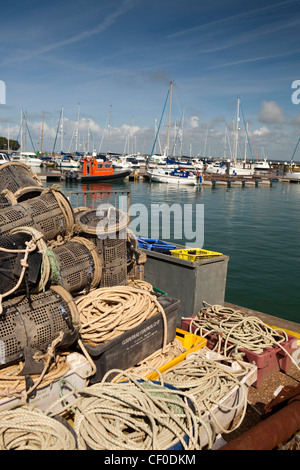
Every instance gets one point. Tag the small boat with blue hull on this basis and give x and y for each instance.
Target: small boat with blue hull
(175, 176)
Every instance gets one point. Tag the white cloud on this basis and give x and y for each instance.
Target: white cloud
(271, 113)
(261, 132)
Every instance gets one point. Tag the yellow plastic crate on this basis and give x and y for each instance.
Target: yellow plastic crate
(194, 254)
(189, 341)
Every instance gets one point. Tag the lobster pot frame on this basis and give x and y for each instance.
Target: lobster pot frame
(135, 258)
(110, 240)
(74, 265)
(10, 263)
(50, 213)
(23, 194)
(30, 326)
(16, 175)
(7, 198)
(78, 265)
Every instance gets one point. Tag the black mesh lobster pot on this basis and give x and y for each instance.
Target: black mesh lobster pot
(7, 198)
(50, 213)
(16, 175)
(108, 231)
(29, 327)
(74, 265)
(12, 252)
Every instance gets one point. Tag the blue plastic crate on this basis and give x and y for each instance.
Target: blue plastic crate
(155, 245)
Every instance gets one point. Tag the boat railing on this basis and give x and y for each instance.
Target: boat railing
(92, 199)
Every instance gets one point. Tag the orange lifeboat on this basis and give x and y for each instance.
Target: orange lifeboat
(97, 170)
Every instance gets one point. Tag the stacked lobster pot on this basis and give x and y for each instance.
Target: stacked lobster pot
(35, 311)
(17, 183)
(107, 229)
(49, 254)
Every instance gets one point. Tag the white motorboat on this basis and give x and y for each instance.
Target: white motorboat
(4, 158)
(217, 167)
(262, 165)
(241, 170)
(29, 158)
(66, 161)
(122, 162)
(293, 176)
(174, 176)
(235, 169)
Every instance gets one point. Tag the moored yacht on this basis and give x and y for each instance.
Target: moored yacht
(262, 165)
(4, 158)
(29, 158)
(67, 161)
(175, 176)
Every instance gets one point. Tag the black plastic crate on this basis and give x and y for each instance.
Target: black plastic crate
(137, 344)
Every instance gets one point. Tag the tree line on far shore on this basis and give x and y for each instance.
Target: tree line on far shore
(13, 144)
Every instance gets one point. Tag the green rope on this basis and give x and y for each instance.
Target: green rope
(55, 275)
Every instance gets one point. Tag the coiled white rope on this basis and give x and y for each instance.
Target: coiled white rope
(134, 415)
(107, 312)
(156, 360)
(209, 382)
(27, 428)
(235, 331)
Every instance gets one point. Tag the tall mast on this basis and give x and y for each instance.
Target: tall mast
(8, 138)
(109, 130)
(42, 134)
(246, 142)
(62, 129)
(77, 129)
(88, 138)
(181, 136)
(236, 130)
(21, 127)
(225, 143)
(205, 142)
(170, 102)
(25, 127)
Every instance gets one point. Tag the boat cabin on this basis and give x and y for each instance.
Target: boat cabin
(4, 158)
(94, 167)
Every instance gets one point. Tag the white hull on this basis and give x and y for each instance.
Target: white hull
(161, 177)
(4, 158)
(32, 162)
(241, 171)
(262, 166)
(70, 164)
(126, 166)
(233, 170)
(293, 176)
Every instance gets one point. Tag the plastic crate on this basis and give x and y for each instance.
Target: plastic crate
(75, 378)
(189, 341)
(155, 245)
(135, 345)
(269, 361)
(296, 354)
(194, 254)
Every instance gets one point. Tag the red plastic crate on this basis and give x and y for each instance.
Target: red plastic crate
(269, 361)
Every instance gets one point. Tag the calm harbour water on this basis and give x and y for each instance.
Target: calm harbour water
(257, 227)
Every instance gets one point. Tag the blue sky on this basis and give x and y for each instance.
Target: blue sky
(115, 60)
